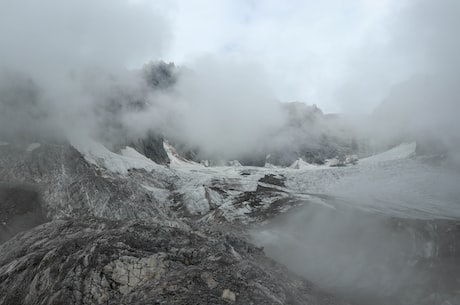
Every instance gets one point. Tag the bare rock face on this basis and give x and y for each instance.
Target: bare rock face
(151, 146)
(96, 261)
(69, 186)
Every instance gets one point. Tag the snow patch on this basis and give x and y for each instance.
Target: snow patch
(301, 164)
(97, 154)
(161, 194)
(176, 160)
(131, 153)
(195, 201)
(234, 163)
(402, 151)
(33, 146)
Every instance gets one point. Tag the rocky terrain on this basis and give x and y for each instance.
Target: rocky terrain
(97, 261)
(135, 219)
(121, 229)
(118, 228)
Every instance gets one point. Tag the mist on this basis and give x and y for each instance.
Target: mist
(363, 243)
(77, 59)
(220, 105)
(70, 70)
(60, 61)
(345, 251)
(96, 70)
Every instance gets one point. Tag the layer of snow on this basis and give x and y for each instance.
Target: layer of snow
(406, 188)
(301, 164)
(161, 194)
(33, 146)
(402, 151)
(196, 201)
(391, 183)
(234, 163)
(400, 186)
(334, 162)
(176, 160)
(133, 154)
(97, 154)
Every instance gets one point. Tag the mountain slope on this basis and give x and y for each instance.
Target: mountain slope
(183, 230)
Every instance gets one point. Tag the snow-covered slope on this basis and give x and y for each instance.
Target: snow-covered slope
(391, 182)
(402, 151)
(97, 154)
(301, 164)
(175, 160)
(87, 179)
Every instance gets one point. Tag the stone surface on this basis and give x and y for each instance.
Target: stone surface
(96, 261)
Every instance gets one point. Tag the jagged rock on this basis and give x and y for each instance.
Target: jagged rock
(151, 146)
(160, 75)
(96, 261)
(70, 186)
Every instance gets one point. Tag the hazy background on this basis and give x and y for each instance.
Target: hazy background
(236, 61)
(75, 68)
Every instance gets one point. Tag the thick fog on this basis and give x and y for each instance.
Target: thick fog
(65, 72)
(420, 57)
(82, 69)
(363, 248)
(55, 36)
(66, 65)
(222, 106)
(60, 59)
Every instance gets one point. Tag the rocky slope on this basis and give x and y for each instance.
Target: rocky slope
(96, 261)
(122, 229)
(154, 241)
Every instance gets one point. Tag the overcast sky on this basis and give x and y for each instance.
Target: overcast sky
(307, 48)
(342, 55)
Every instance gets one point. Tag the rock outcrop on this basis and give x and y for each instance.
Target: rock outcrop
(97, 261)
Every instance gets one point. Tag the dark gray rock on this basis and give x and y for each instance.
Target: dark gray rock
(151, 146)
(72, 187)
(20, 210)
(160, 75)
(95, 261)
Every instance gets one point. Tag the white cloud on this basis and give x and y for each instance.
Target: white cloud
(57, 34)
(57, 57)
